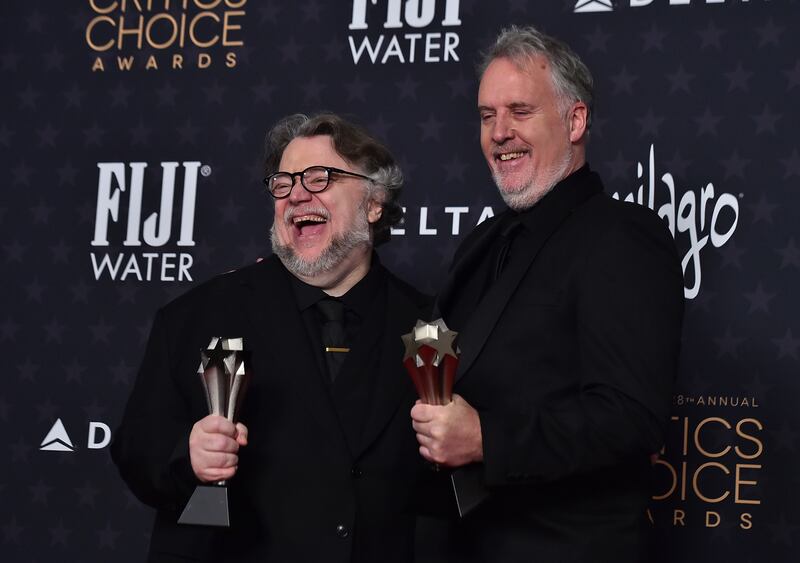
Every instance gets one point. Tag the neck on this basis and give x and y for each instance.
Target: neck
(345, 275)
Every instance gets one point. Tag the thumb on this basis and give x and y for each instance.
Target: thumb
(241, 434)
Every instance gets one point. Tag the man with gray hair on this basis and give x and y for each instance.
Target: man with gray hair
(568, 307)
(323, 465)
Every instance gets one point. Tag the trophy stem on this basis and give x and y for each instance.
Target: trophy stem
(224, 372)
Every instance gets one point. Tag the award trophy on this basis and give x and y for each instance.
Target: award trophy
(225, 372)
(431, 359)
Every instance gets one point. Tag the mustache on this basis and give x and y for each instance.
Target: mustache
(505, 147)
(292, 212)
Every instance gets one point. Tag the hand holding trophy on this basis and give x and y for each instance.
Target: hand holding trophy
(224, 372)
(431, 359)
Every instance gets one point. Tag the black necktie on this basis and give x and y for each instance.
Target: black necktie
(506, 239)
(333, 334)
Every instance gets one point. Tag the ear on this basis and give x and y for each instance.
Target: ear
(577, 120)
(374, 211)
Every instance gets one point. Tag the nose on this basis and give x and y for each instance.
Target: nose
(502, 129)
(299, 192)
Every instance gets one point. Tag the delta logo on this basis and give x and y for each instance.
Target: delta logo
(583, 6)
(594, 6)
(58, 440)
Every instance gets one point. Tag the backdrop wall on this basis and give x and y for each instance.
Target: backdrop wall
(131, 136)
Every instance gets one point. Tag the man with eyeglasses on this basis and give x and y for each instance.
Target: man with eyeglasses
(323, 465)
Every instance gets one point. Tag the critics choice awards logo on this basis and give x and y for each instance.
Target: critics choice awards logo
(404, 31)
(165, 34)
(708, 474)
(125, 194)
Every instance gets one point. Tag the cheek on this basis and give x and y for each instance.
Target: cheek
(486, 148)
(277, 220)
(485, 140)
(278, 216)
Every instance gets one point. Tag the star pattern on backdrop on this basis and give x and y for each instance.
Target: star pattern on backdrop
(710, 95)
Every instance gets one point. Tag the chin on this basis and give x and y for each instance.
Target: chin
(520, 198)
(328, 257)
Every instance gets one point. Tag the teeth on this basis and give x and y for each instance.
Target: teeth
(308, 218)
(510, 155)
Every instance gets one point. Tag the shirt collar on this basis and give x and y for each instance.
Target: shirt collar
(358, 298)
(528, 216)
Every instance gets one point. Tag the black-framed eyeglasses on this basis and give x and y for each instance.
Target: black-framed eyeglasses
(315, 179)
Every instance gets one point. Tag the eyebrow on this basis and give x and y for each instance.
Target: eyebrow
(512, 105)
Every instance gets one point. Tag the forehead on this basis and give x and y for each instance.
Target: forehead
(506, 81)
(303, 152)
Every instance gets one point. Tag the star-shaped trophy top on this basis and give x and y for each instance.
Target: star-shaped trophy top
(217, 354)
(434, 334)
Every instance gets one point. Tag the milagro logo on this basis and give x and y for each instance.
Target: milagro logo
(58, 440)
(700, 215)
(121, 186)
(422, 31)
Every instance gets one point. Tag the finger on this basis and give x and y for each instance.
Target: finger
(218, 443)
(425, 452)
(424, 440)
(422, 412)
(228, 460)
(214, 475)
(216, 424)
(458, 400)
(421, 427)
(220, 461)
(241, 434)
(214, 467)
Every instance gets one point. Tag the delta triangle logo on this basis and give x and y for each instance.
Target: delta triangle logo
(57, 439)
(583, 6)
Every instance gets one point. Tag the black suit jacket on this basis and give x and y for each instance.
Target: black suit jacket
(312, 485)
(569, 359)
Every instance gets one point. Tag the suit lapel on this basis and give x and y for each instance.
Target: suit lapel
(356, 380)
(392, 385)
(454, 289)
(547, 216)
(280, 331)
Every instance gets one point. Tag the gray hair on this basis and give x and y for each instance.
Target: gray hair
(571, 77)
(356, 146)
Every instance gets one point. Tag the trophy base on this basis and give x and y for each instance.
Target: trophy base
(207, 507)
(469, 488)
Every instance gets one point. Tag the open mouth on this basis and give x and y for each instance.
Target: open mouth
(308, 224)
(507, 156)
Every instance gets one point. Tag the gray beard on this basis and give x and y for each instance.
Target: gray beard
(340, 248)
(533, 191)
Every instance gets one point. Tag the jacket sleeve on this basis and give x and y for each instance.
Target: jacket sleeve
(628, 309)
(151, 445)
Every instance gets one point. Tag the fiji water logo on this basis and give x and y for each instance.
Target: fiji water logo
(423, 31)
(136, 213)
